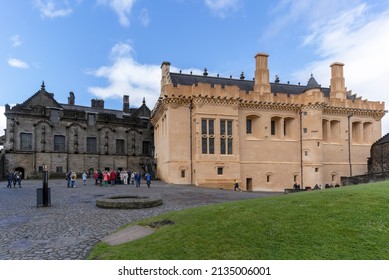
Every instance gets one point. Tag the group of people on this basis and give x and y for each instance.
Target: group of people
(316, 187)
(105, 178)
(71, 177)
(110, 178)
(14, 178)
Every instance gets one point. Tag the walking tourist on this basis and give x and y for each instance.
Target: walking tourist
(148, 179)
(10, 178)
(132, 178)
(137, 179)
(84, 176)
(236, 186)
(112, 176)
(73, 178)
(105, 178)
(68, 178)
(96, 177)
(125, 177)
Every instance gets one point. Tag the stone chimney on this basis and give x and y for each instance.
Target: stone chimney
(165, 73)
(97, 103)
(71, 98)
(338, 89)
(261, 84)
(126, 103)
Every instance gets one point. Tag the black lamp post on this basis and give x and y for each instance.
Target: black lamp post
(45, 177)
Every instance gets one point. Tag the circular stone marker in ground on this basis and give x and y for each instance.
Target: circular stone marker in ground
(125, 201)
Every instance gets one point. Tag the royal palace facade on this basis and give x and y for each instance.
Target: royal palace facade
(42, 132)
(209, 131)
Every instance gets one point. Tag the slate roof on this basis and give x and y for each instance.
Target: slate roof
(246, 85)
(46, 99)
(119, 114)
(312, 83)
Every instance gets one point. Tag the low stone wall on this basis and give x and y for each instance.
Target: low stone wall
(363, 179)
(128, 201)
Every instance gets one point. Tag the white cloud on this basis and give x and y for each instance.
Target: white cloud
(126, 76)
(15, 41)
(144, 17)
(51, 9)
(17, 63)
(358, 38)
(222, 7)
(121, 7)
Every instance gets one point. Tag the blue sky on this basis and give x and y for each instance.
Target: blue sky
(105, 49)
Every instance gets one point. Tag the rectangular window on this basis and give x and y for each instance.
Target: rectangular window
(120, 146)
(249, 126)
(182, 173)
(91, 145)
(145, 123)
(229, 139)
(273, 127)
(25, 141)
(59, 169)
(145, 147)
(226, 139)
(59, 143)
(207, 136)
(54, 115)
(91, 119)
(220, 171)
(305, 130)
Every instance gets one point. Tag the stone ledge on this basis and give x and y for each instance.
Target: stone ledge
(128, 201)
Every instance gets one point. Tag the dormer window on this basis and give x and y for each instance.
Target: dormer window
(91, 119)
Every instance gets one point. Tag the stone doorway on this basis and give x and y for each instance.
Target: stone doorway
(249, 184)
(21, 171)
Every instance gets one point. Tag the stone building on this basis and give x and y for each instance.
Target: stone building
(379, 156)
(377, 164)
(210, 131)
(41, 131)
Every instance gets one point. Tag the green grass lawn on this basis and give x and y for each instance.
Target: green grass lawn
(334, 224)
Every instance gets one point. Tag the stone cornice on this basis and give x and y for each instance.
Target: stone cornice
(163, 102)
(376, 114)
(269, 106)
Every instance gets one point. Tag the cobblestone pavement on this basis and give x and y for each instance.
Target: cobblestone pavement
(73, 224)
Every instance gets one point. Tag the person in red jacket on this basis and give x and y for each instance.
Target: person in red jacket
(113, 176)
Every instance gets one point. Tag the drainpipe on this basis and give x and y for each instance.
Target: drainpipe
(191, 142)
(301, 149)
(349, 144)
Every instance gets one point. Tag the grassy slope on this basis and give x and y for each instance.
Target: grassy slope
(342, 223)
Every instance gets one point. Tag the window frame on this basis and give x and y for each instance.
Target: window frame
(59, 144)
(25, 141)
(90, 144)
